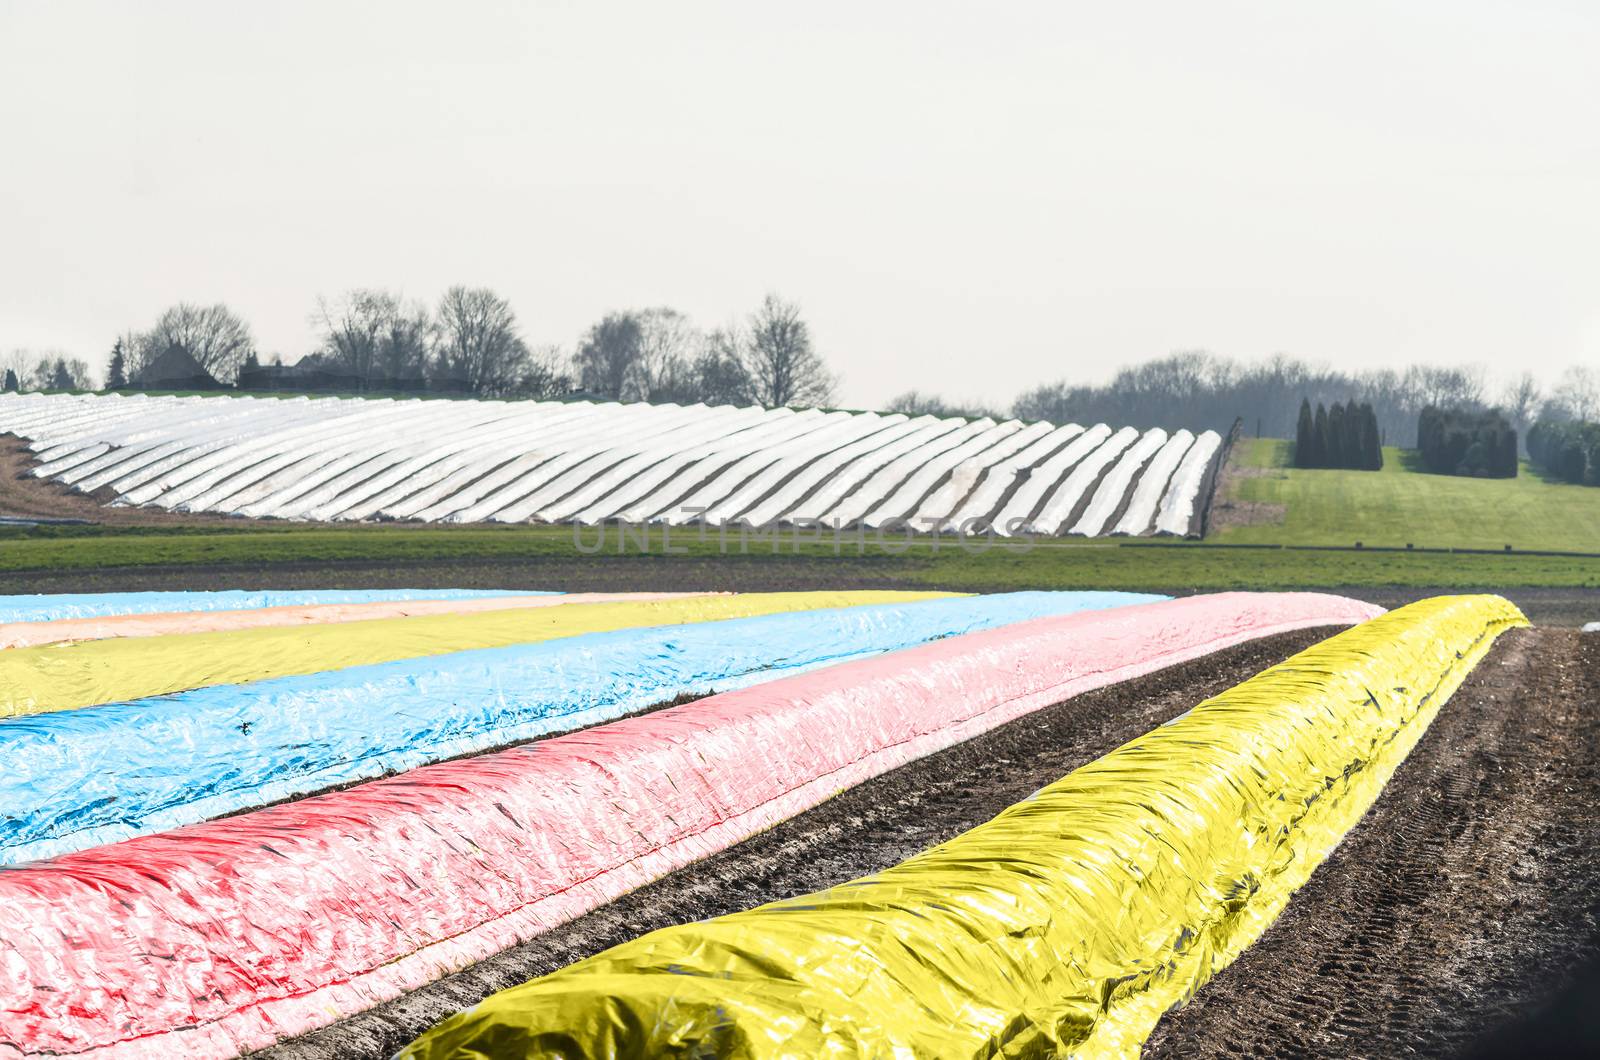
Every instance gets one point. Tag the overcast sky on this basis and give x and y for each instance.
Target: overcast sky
(968, 198)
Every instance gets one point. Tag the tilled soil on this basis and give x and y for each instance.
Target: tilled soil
(863, 830)
(1468, 896)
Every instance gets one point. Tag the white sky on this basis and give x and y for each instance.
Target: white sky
(968, 198)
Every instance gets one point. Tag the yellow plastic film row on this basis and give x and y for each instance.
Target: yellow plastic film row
(1064, 927)
(67, 676)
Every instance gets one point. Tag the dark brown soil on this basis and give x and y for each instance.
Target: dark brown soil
(1467, 896)
(22, 495)
(863, 830)
(577, 574)
(1227, 510)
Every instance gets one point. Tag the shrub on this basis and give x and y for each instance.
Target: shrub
(1567, 449)
(1459, 442)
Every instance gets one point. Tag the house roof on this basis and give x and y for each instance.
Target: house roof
(175, 364)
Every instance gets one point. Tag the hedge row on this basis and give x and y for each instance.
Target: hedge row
(1459, 442)
(1569, 450)
(1345, 436)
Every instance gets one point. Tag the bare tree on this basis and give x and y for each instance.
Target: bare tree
(406, 343)
(212, 335)
(1521, 400)
(14, 366)
(375, 336)
(54, 370)
(479, 348)
(667, 348)
(710, 372)
(136, 353)
(609, 355)
(782, 366)
(546, 373)
(1577, 393)
(1462, 387)
(642, 355)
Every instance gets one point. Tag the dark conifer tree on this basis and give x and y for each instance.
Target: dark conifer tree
(116, 371)
(1319, 435)
(1335, 436)
(1350, 444)
(11, 380)
(1371, 445)
(1302, 435)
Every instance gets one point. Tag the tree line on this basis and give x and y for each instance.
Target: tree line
(53, 370)
(1199, 390)
(1345, 436)
(470, 343)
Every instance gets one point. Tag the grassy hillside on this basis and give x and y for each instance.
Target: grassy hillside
(1402, 504)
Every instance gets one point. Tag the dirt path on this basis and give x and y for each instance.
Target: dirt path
(1466, 897)
(863, 830)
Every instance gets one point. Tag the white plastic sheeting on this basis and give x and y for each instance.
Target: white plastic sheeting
(1152, 484)
(1180, 504)
(1079, 464)
(343, 459)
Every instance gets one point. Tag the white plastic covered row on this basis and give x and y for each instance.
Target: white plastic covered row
(1179, 512)
(1152, 485)
(1113, 488)
(588, 462)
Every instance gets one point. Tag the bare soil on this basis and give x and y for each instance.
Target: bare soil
(1227, 510)
(23, 496)
(1468, 897)
(863, 830)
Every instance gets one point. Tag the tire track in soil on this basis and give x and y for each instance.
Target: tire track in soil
(1466, 897)
(862, 830)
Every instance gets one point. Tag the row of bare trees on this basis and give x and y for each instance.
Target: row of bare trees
(659, 355)
(471, 342)
(51, 370)
(1199, 390)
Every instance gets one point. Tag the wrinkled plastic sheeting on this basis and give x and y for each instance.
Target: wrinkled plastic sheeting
(94, 776)
(329, 905)
(1178, 506)
(69, 676)
(47, 607)
(1591, 627)
(64, 630)
(1064, 927)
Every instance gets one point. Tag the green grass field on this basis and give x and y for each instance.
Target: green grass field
(1401, 505)
(943, 564)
